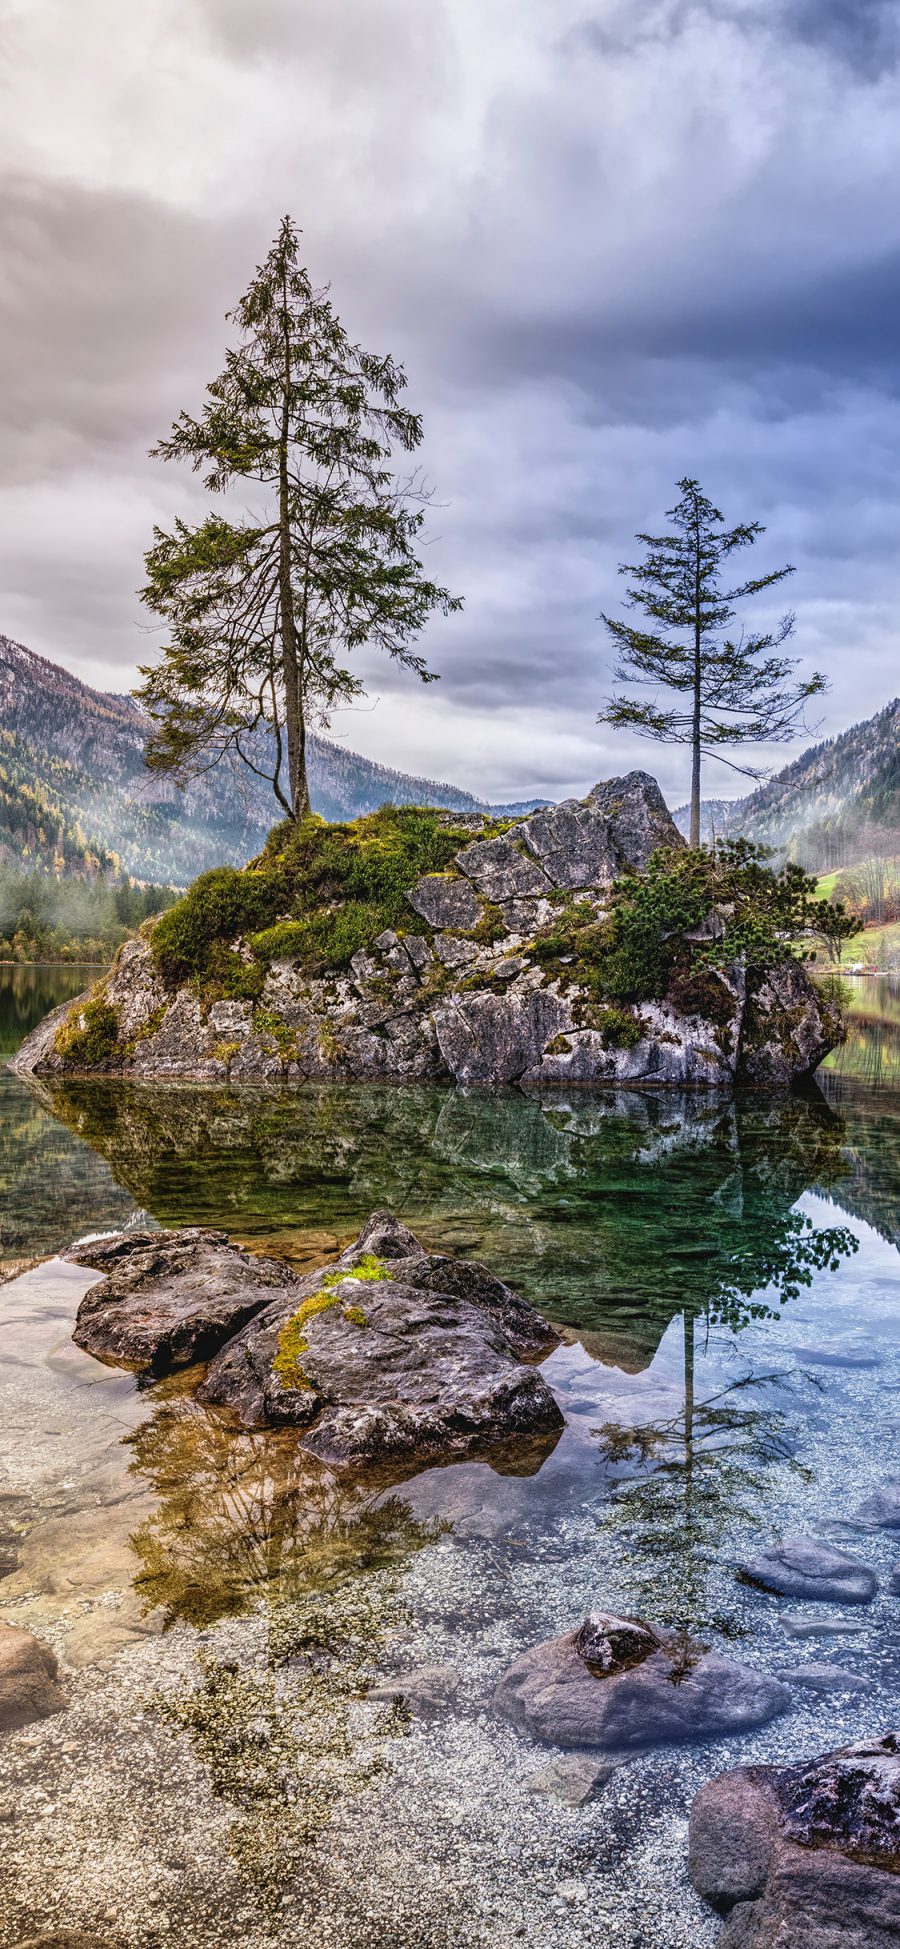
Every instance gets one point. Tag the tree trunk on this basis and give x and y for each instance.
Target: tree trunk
(695, 729)
(294, 715)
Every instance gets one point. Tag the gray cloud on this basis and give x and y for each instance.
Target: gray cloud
(612, 246)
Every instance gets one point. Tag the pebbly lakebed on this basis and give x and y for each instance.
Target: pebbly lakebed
(280, 1724)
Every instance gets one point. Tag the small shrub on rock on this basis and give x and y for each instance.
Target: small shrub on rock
(90, 1036)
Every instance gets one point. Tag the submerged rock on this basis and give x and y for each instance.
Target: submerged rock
(805, 1855)
(393, 1352)
(882, 1509)
(802, 1566)
(618, 1684)
(170, 1298)
(28, 1679)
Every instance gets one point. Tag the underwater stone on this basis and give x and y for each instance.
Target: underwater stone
(883, 1507)
(802, 1566)
(675, 1693)
(28, 1679)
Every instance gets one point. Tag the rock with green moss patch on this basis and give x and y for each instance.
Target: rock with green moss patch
(394, 1354)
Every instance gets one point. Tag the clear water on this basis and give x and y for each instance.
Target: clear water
(726, 1277)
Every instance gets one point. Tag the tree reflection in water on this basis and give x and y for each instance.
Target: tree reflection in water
(248, 1525)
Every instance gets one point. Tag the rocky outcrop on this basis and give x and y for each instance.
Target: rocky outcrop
(472, 991)
(28, 1679)
(619, 1684)
(804, 1566)
(171, 1298)
(806, 1855)
(390, 1354)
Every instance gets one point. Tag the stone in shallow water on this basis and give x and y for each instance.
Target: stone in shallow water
(28, 1675)
(837, 1357)
(820, 1625)
(802, 1566)
(882, 1508)
(427, 1690)
(574, 1779)
(170, 1298)
(426, 1360)
(675, 1692)
(894, 1585)
(806, 1856)
(826, 1678)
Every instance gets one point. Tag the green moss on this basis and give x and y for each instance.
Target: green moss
(331, 1048)
(561, 1045)
(316, 894)
(89, 1036)
(292, 1341)
(149, 1028)
(266, 1022)
(226, 1051)
(489, 928)
(617, 1028)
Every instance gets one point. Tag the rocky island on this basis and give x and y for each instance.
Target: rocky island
(582, 944)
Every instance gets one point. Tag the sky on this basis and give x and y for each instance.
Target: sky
(612, 244)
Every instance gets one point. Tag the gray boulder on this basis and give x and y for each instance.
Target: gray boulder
(826, 1678)
(445, 900)
(788, 1027)
(638, 816)
(618, 1684)
(882, 1509)
(425, 1358)
(487, 1038)
(802, 1566)
(171, 1298)
(573, 843)
(502, 870)
(807, 1856)
(28, 1679)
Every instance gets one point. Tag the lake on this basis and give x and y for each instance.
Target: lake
(726, 1279)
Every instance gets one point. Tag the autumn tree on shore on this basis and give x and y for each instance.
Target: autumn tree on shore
(729, 690)
(265, 604)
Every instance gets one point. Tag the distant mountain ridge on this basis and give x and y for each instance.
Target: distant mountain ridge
(75, 795)
(825, 804)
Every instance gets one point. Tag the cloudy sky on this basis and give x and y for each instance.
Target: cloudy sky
(612, 244)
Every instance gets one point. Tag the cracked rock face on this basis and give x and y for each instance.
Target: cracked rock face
(805, 1855)
(618, 1684)
(170, 1298)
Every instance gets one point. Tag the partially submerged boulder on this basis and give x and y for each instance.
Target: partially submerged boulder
(171, 1298)
(804, 1566)
(881, 1510)
(489, 969)
(393, 1352)
(805, 1855)
(619, 1684)
(28, 1679)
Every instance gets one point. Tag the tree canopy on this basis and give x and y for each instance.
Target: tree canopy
(264, 608)
(730, 690)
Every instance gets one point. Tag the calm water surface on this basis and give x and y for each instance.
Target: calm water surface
(727, 1280)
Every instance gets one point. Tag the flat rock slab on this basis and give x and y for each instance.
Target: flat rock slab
(170, 1298)
(850, 1357)
(553, 1694)
(426, 1359)
(883, 1508)
(804, 1856)
(820, 1625)
(428, 1690)
(802, 1566)
(826, 1678)
(28, 1679)
(445, 900)
(574, 1779)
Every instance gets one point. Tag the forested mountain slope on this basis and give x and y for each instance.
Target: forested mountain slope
(836, 799)
(74, 790)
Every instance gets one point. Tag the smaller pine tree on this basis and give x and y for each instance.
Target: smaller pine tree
(735, 690)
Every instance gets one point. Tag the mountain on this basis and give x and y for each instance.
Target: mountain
(834, 802)
(75, 795)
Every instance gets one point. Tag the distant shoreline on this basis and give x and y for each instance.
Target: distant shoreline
(53, 964)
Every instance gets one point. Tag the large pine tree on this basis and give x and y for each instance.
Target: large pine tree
(730, 690)
(263, 607)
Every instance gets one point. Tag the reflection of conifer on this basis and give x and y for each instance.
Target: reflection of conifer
(248, 1524)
